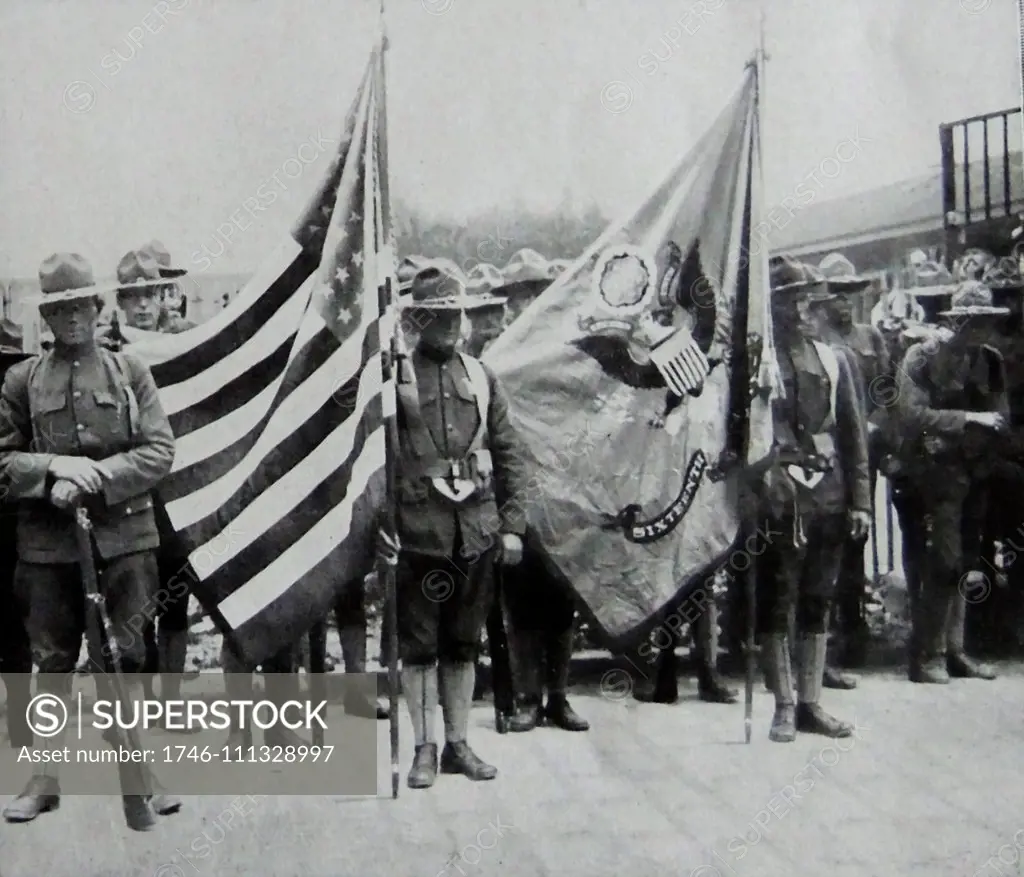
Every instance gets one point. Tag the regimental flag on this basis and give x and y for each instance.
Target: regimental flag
(278, 407)
(630, 381)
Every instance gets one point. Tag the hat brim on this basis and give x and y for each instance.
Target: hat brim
(930, 291)
(490, 301)
(802, 286)
(521, 288)
(823, 298)
(460, 303)
(69, 295)
(170, 273)
(849, 284)
(139, 285)
(976, 311)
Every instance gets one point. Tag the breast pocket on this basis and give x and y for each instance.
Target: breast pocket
(52, 423)
(110, 421)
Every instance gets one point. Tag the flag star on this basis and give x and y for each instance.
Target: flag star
(357, 259)
(345, 315)
(342, 275)
(355, 216)
(326, 211)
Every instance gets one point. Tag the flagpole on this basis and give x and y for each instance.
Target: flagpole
(391, 439)
(751, 577)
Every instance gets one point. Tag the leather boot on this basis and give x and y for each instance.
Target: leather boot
(19, 694)
(529, 715)
(711, 687)
(140, 811)
(456, 694)
(526, 654)
(353, 650)
(419, 684)
(832, 678)
(928, 659)
(558, 712)
(958, 664)
(664, 688)
(281, 688)
(780, 678)
(42, 793)
(810, 717)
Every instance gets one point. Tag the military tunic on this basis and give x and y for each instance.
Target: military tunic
(445, 566)
(868, 356)
(938, 387)
(94, 404)
(810, 524)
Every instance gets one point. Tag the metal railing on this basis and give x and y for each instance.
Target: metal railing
(983, 181)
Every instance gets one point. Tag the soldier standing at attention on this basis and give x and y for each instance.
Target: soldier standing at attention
(458, 468)
(80, 425)
(869, 361)
(816, 493)
(143, 282)
(952, 399)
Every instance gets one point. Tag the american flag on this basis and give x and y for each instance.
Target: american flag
(278, 405)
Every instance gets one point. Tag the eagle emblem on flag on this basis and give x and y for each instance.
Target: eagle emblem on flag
(650, 321)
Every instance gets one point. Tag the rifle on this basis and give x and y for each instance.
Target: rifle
(135, 778)
(501, 664)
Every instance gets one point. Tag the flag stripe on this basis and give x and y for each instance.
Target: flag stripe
(281, 501)
(317, 411)
(234, 393)
(276, 621)
(252, 314)
(269, 581)
(278, 403)
(208, 454)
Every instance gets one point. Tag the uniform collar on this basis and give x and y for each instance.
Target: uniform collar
(85, 351)
(432, 354)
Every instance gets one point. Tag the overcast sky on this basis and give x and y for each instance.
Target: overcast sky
(106, 143)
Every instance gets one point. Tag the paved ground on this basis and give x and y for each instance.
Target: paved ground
(930, 786)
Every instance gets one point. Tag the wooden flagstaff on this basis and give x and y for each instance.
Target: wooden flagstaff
(751, 649)
(392, 369)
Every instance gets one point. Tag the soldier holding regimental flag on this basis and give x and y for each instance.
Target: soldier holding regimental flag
(816, 494)
(459, 474)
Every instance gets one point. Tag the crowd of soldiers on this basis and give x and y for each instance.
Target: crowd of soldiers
(924, 392)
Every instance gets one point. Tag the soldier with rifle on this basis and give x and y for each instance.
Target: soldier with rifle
(458, 474)
(815, 492)
(82, 432)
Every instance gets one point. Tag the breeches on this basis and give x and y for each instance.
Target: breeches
(942, 541)
(800, 578)
(442, 605)
(57, 606)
